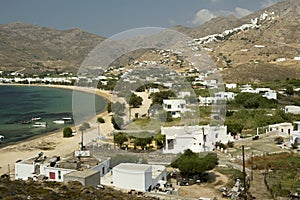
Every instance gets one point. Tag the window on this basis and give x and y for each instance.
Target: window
(169, 106)
(52, 175)
(59, 174)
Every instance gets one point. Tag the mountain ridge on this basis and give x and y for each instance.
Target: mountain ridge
(34, 49)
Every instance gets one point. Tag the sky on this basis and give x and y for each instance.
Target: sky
(110, 17)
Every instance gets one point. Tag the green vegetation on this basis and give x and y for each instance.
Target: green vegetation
(157, 98)
(53, 190)
(252, 101)
(142, 142)
(285, 173)
(251, 119)
(279, 140)
(135, 101)
(100, 120)
(190, 163)
(108, 107)
(120, 138)
(86, 125)
(148, 86)
(160, 140)
(67, 132)
(117, 122)
(118, 108)
(233, 174)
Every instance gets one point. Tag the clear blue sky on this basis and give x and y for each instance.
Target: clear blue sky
(109, 17)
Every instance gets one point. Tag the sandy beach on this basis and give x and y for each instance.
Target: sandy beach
(53, 144)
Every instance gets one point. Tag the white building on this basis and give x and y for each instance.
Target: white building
(86, 178)
(205, 101)
(175, 107)
(183, 94)
(153, 90)
(292, 109)
(270, 94)
(140, 177)
(282, 128)
(231, 85)
(54, 169)
(225, 95)
(195, 138)
(296, 134)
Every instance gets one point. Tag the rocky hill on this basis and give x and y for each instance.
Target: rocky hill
(33, 49)
(262, 46)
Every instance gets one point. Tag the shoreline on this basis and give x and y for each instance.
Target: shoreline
(53, 143)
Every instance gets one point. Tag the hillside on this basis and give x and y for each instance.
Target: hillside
(262, 46)
(35, 49)
(268, 51)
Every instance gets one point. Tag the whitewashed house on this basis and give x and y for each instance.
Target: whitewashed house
(292, 109)
(270, 95)
(183, 94)
(195, 138)
(282, 128)
(140, 177)
(175, 107)
(231, 85)
(228, 96)
(54, 169)
(296, 134)
(205, 101)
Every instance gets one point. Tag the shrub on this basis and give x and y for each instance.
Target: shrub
(86, 125)
(279, 140)
(67, 132)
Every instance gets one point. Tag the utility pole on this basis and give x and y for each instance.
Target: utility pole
(252, 160)
(8, 171)
(244, 173)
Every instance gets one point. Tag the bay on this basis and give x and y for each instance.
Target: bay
(22, 103)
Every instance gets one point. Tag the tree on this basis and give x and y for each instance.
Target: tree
(234, 128)
(190, 163)
(157, 98)
(142, 142)
(86, 125)
(67, 132)
(118, 108)
(289, 90)
(160, 140)
(120, 138)
(117, 122)
(100, 120)
(108, 107)
(135, 101)
(279, 140)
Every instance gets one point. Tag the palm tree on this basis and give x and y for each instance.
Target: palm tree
(100, 120)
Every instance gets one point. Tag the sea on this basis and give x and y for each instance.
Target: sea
(19, 104)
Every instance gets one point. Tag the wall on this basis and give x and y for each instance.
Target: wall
(92, 180)
(57, 177)
(137, 180)
(23, 171)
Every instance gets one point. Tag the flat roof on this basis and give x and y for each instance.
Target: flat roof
(132, 167)
(83, 174)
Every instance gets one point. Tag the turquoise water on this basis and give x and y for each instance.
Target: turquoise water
(21, 103)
